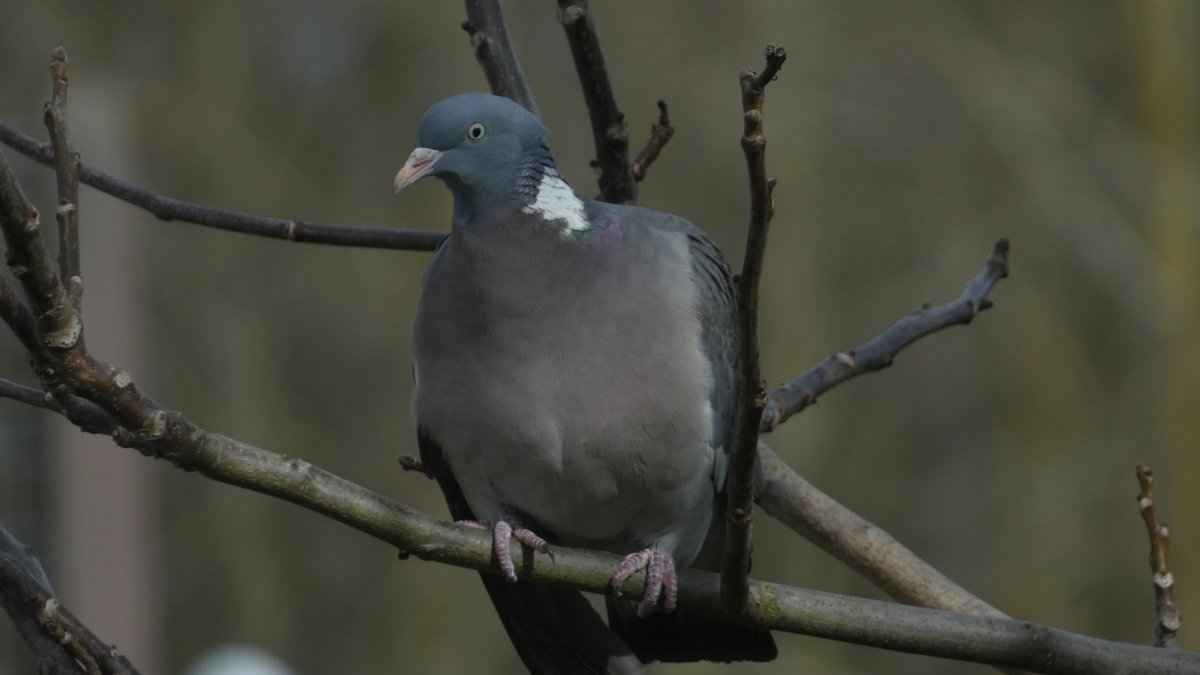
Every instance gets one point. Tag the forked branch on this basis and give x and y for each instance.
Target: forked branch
(878, 353)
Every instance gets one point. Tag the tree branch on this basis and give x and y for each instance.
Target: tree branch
(791, 398)
(660, 132)
(858, 543)
(167, 208)
(60, 641)
(739, 486)
(66, 168)
(495, 54)
(610, 133)
(1166, 630)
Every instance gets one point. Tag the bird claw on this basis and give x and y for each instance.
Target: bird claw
(662, 583)
(502, 531)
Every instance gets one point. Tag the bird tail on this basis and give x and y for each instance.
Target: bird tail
(683, 637)
(555, 630)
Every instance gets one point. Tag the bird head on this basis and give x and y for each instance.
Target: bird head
(477, 144)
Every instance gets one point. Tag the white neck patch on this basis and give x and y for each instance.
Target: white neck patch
(556, 201)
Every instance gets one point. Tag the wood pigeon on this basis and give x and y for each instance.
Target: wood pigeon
(575, 383)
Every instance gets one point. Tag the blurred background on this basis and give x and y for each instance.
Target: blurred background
(906, 136)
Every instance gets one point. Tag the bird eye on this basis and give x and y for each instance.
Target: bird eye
(476, 131)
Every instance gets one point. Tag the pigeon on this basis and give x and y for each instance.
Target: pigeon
(574, 367)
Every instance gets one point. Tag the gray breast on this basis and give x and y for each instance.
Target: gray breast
(565, 381)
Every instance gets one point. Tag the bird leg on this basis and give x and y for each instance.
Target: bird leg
(661, 580)
(501, 532)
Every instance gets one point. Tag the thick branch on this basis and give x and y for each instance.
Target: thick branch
(610, 133)
(858, 543)
(60, 641)
(1166, 630)
(739, 487)
(660, 132)
(66, 168)
(167, 208)
(791, 398)
(495, 54)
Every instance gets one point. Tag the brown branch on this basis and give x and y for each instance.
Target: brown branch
(660, 132)
(167, 208)
(610, 133)
(879, 352)
(858, 543)
(66, 169)
(495, 54)
(739, 486)
(1166, 630)
(60, 641)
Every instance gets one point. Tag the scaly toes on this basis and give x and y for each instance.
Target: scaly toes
(662, 584)
(501, 532)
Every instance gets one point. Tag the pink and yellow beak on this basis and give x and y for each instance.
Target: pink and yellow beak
(419, 164)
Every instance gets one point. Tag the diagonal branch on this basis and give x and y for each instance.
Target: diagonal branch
(1166, 630)
(66, 168)
(495, 54)
(858, 543)
(791, 398)
(54, 634)
(610, 133)
(167, 208)
(739, 486)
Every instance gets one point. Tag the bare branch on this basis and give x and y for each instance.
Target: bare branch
(791, 398)
(660, 132)
(495, 54)
(857, 542)
(66, 168)
(739, 486)
(167, 208)
(1166, 630)
(60, 641)
(610, 133)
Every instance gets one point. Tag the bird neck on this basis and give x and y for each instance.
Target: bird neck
(536, 187)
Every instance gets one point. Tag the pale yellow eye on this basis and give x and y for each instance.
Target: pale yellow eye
(476, 131)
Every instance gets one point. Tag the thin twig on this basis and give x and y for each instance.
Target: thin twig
(1166, 629)
(495, 54)
(54, 634)
(167, 208)
(660, 132)
(610, 133)
(879, 352)
(739, 487)
(66, 169)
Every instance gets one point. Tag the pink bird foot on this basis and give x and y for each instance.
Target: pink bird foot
(662, 584)
(502, 531)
